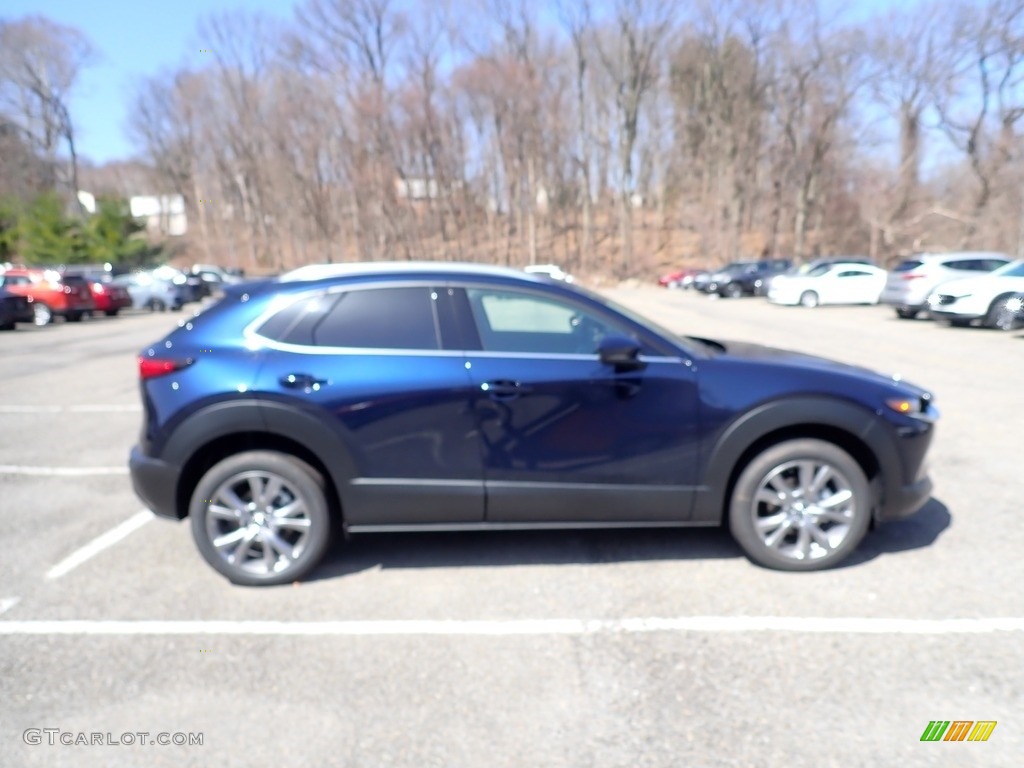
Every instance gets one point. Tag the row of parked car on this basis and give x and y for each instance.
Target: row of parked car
(962, 288)
(39, 294)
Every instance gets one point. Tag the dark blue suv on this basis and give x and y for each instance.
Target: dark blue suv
(383, 397)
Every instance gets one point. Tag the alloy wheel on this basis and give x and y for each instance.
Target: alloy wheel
(804, 509)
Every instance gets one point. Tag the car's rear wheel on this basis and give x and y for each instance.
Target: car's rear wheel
(999, 315)
(111, 312)
(809, 299)
(801, 505)
(906, 313)
(41, 314)
(74, 317)
(261, 518)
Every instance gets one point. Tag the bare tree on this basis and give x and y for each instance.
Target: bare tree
(40, 61)
(640, 29)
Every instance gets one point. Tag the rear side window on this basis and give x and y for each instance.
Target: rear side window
(907, 265)
(376, 318)
(380, 318)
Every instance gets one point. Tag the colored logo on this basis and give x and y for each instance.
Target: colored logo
(958, 730)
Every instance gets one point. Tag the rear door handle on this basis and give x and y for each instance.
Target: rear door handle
(301, 381)
(504, 389)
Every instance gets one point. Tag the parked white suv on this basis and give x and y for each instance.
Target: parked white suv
(981, 298)
(909, 285)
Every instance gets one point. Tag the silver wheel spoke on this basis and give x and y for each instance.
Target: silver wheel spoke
(256, 485)
(803, 543)
(237, 557)
(228, 539)
(272, 539)
(771, 523)
(837, 498)
(820, 478)
(779, 534)
(805, 473)
(819, 536)
(770, 496)
(268, 555)
(289, 510)
(293, 523)
(223, 513)
(270, 491)
(834, 516)
(232, 499)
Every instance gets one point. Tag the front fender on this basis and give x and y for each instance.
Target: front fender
(871, 438)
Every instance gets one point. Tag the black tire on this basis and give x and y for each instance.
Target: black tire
(809, 299)
(8, 326)
(74, 317)
(733, 290)
(111, 312)
(906, 313)
(775, 466)
(299, 483)
(996, 311)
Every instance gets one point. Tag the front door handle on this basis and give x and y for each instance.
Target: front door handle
(504, 389)
(304, 381)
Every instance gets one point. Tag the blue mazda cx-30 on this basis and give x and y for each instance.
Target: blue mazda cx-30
(376, 397)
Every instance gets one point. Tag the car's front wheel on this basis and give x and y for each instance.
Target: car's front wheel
(906, 313)
(801, 505)
(999, 315)
(261, 518)
(809, 299)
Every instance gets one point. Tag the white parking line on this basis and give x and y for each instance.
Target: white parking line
(70, 408)
(6, 603)
(717, 624)
(97, 545)
(15, 469)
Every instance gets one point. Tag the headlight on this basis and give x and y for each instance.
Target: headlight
(910, 406)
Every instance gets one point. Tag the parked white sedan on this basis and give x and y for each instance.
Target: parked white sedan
(842, 283)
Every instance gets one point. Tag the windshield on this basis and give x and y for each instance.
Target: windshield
(1013, 269)
(636, 317)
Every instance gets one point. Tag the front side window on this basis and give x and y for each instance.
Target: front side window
(513, 321)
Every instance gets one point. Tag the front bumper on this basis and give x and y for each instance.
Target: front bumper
(904, 501)
(155, 482)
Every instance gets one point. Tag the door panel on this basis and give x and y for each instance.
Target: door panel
(566, 438)
(404, 416)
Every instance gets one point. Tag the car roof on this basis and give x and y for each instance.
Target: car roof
(957, 255)
(437, 269)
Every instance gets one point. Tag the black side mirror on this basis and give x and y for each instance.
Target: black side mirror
(620, 352)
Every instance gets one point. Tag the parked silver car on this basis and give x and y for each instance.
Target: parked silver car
(151, 292)
(909, 284)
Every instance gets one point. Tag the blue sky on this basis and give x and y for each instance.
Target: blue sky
(134, 40)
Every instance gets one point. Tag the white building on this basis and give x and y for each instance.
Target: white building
(164, 214)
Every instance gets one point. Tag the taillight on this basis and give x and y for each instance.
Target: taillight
(153, 367)
(99, 288)
(911, 276)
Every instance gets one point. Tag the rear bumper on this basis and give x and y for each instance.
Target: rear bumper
(155, 482)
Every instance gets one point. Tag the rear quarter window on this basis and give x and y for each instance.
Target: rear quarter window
(374, 318)
(907, 265)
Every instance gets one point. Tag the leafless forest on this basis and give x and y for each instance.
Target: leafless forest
(610, 136)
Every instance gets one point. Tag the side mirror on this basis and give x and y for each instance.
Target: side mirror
(620, 352)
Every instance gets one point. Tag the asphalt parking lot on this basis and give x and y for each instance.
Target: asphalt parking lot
(646, 648)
